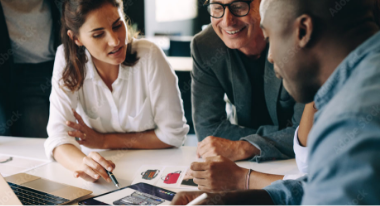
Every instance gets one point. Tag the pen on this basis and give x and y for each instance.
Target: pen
(7, 160)
(113, 179)
(198, 199)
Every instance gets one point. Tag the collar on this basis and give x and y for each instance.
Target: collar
(342, 73)
(92, 73)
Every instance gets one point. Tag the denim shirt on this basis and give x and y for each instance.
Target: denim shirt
(344, 143)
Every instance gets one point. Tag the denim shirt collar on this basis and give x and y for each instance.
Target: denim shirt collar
(338, 78)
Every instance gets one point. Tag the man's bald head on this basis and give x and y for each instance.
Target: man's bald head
(309, 38)
(338, 15)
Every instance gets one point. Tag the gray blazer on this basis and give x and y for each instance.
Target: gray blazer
(219, 70)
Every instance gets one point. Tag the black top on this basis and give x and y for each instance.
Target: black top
(255, 70)
(6, 58)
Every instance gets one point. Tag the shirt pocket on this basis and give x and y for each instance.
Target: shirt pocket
(143, 118)
(94, 123)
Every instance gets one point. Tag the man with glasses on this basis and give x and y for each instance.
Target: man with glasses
(336, 64)
(230, 58)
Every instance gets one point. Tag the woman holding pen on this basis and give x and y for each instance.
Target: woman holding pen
(108, 91)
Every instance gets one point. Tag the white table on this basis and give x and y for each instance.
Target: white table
(127, 163)
(184, 64)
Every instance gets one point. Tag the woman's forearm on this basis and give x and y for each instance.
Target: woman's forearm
(140, 140)
(69, 156)
(260, 180)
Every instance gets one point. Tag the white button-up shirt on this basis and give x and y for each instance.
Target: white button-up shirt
(301, 158)
(144, 97)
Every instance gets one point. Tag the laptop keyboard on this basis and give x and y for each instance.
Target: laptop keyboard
(29, 196)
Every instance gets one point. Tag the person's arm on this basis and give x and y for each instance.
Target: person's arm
(208, 105)
(165, 98)
(259, 180)
(275, 144)
(287, 192)
(61, 103)
(59, 145)
(219, 174)
(166, 105)
(140, 140)
(344, 166)
(93, 139)
(90, 167)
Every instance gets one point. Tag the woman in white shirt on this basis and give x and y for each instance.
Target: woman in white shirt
(300, 137)
(108, 92)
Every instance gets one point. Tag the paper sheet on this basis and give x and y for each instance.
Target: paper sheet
(148, 174)
(171, 177)
(161, 176)
(187, 181)
(11, 164)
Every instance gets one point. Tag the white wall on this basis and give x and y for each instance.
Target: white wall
(185, 27)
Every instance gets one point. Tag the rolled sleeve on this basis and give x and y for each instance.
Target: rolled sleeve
(293, 176)
(166, 102)
(174, 141)
(287, 192)
(52, 142)
(273, 146)
(61, 102)
(301, 154)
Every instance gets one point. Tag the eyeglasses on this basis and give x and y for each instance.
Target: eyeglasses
(237, 8)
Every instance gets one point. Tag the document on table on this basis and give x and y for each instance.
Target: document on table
(161, 176)
(10, 164)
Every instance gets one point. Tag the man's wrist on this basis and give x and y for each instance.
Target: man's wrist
(247, 150)
(241, 175)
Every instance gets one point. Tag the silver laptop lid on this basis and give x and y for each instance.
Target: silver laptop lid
(7, 196)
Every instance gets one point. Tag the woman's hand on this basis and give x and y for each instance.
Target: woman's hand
(93, 167)
(84, 134)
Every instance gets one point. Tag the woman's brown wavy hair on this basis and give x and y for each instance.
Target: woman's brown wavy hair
(74, 14)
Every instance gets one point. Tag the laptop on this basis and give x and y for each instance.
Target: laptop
(25, 189)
